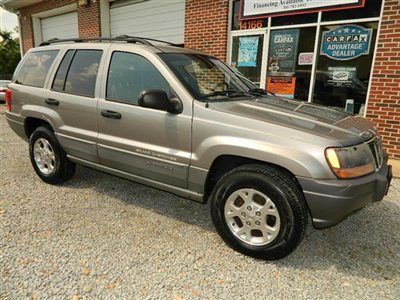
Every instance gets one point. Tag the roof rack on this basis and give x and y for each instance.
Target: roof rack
(148, 39)
(121, 38)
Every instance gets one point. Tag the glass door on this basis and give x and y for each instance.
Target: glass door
(247, 54)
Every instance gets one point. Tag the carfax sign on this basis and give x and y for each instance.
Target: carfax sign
(346, 42)
(283, 50)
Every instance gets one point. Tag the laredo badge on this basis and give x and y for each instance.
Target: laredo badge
(346, 42)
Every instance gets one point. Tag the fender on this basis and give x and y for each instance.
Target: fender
(301, 161)
(42, 113)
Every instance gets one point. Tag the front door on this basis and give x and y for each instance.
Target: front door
(145, 142)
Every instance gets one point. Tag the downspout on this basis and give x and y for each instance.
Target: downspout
(21, 49)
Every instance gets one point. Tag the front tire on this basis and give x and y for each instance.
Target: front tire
(48, 159)
(259, 211)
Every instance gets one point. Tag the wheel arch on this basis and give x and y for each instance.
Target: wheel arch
(31, 123)
(225, 163)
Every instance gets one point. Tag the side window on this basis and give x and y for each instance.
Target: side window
(82, 74)
(35, 67)
(129, 74)
(59, 79)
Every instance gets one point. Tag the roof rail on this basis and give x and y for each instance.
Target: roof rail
(121, 38)
(148, 39)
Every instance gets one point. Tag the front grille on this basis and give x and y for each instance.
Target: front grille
(377, 151)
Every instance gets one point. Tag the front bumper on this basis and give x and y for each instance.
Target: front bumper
(331, 201)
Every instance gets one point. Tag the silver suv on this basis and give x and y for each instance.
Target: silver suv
(184, 122)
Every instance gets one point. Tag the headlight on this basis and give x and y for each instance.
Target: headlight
(350, 162)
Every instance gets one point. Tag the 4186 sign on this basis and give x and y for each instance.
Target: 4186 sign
(253, 24)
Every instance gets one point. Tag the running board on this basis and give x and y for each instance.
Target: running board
(152, 183)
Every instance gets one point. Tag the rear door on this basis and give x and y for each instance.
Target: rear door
(149, 143)
(73, 96)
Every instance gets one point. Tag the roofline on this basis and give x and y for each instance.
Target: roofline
(14, 5)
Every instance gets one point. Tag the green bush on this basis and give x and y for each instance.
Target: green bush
(9, 52)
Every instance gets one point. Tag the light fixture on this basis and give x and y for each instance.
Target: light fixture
(83, 2)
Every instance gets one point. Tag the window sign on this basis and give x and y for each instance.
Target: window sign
(282, 86)
(264, 8)
(306, 58)
(346, 42)
(342, 76)
(248, 50)
(283, 51)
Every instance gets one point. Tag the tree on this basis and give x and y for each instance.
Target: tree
(9, 52)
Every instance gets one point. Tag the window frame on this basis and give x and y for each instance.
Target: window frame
(58, 68)
(49, 71)
(69, 67)
(108, 72)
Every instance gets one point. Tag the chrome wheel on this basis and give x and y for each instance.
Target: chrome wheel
(44, 156)
(252, 217)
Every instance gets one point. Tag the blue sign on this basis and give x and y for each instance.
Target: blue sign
(346, 42)
(248, 51)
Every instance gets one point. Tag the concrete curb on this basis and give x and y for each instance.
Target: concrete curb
(396, 167)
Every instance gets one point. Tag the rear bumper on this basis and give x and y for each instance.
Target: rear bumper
(16, 123)
(331, 201)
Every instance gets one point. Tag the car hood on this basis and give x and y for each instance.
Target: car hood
(320, 120)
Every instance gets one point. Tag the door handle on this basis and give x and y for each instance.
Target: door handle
(110, 114)
(50, 101)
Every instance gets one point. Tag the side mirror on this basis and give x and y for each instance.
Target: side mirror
(158, 99)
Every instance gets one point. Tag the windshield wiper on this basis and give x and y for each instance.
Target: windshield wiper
(261, 92)
(228, 93)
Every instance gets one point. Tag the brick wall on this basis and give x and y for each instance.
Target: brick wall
(384, 100)
(88, 19)
(206, 26)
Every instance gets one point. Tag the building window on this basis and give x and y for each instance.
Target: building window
(247, 54)
(323, 57)
(342, 75)
(372, 9)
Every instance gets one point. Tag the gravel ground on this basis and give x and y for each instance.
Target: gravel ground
(100, 236)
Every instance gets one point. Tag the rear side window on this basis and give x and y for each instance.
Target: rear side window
(77, 73)
(129, 74)
(59, 80)
(35, 68)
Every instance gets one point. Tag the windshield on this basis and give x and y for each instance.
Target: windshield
(207, 77)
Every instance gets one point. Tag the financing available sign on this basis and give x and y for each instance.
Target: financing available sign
(251, 9)
(346, 42)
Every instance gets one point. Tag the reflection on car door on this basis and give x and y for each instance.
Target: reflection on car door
(146, 142)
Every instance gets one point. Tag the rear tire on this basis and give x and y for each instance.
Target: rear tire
(48, 159)
(259, 211)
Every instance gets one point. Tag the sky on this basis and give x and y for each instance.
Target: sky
(8, 20)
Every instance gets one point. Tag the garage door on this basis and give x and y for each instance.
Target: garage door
(61, 26)
(157, 19)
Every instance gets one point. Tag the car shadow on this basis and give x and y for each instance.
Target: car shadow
(358, 246)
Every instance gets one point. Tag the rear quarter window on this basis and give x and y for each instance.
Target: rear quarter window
(35, 68)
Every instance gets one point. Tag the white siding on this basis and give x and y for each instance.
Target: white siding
(159, 19)
(62, 26)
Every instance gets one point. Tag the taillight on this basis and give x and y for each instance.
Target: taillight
(8, 99)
